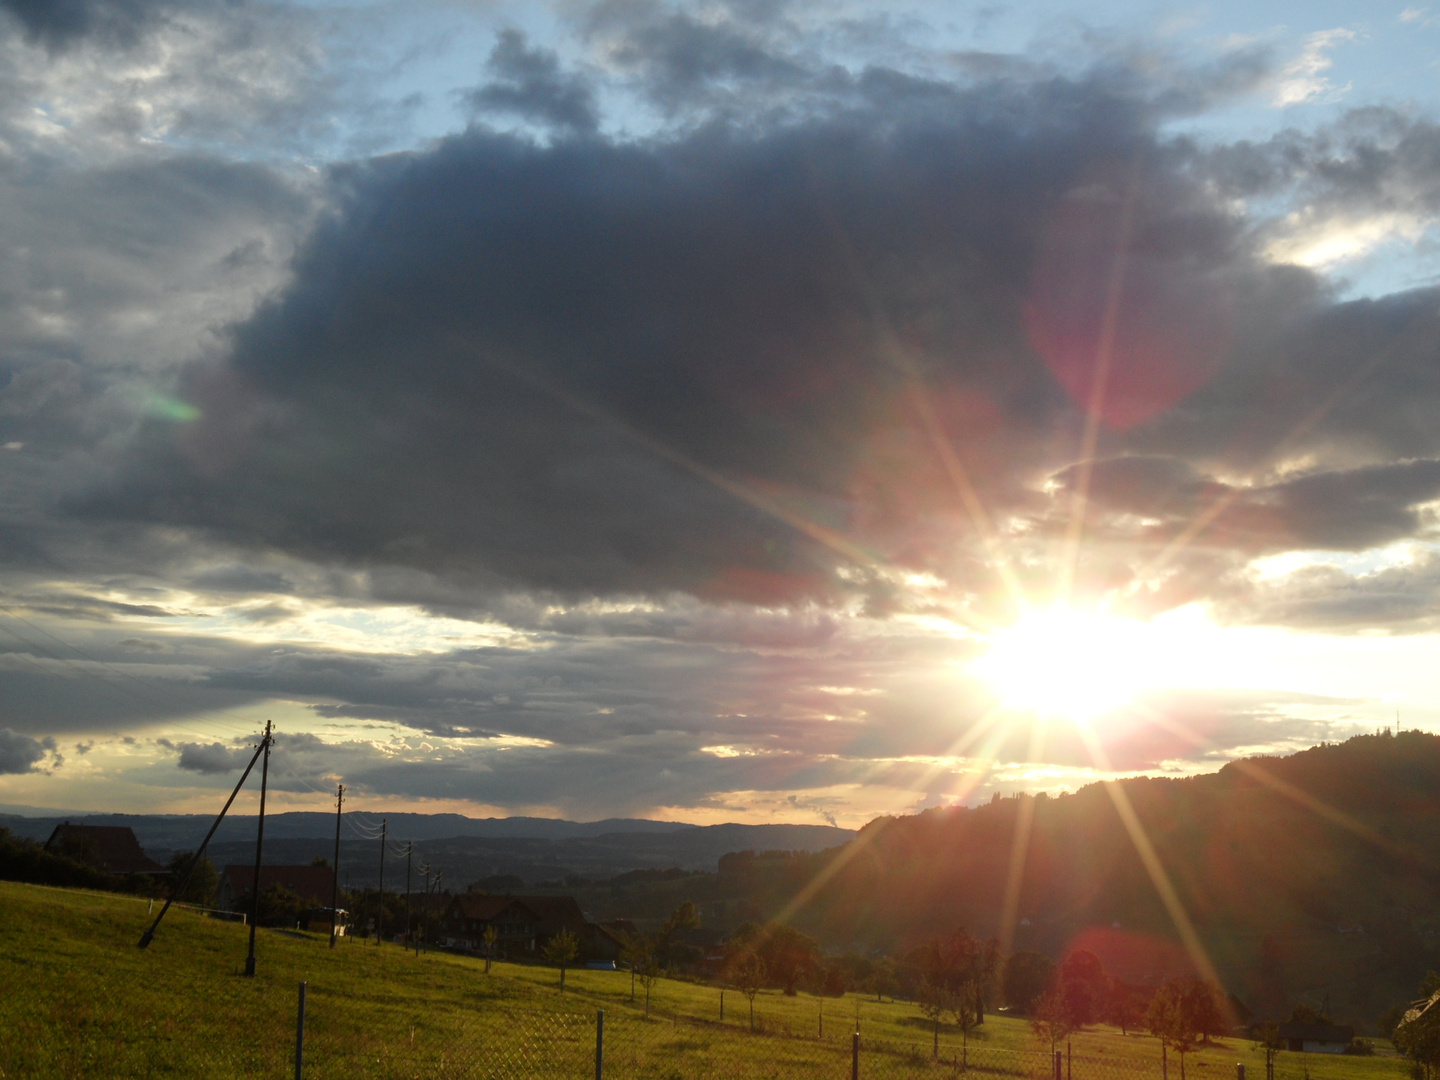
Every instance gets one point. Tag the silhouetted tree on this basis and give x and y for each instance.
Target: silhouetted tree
(1025, 979)
(203, 882)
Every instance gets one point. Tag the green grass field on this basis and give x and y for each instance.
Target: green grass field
(78, 999)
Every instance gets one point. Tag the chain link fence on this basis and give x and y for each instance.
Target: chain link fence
(255, 1030)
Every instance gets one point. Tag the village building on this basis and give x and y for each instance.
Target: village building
(523, 925)
(1316, 1038)
(313, 884)
(111, 848)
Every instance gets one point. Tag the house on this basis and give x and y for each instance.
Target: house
(313, 884)
(111, 848)
(523, 924)
(1316, 1038)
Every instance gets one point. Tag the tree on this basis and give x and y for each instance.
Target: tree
(881, 978)
(1123, 1006)
(1417, 1036)
(1267, 1036)
(789, 956)
(646, 965)
(1170, 1020)
(671, 952)
(1050, 1021)
(1084, 984)
(962, 965)
(1205, 1006)
(748, 974)
(489, 938)
(936, 1000)
(202, 884)
(280, 906)
(561, 950)
(1024, 980)
(967, 1015)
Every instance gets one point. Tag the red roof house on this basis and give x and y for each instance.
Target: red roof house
(313, 884)
(111, 848)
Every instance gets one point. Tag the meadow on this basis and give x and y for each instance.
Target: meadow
(79, 999)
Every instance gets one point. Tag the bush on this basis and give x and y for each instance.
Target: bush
(25, 860)
(1360, 1048)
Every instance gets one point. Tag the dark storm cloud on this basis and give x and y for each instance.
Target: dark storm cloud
(530, 84)
(20, 753)
(1338, 510)
(59, 23)
(527, 364)
(209, 760)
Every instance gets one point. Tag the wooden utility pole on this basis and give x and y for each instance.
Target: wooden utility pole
(259, 846)
(409, 921)
(179, 890)
(380, 899)
(335, 885)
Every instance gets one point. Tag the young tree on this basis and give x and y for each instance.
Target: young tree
(1050, 1020)
(489, 938)
(967, 1015)
(634, 954)
(936, 1001)
(1267, 1036)
(646, 965)
(748, 974)
(561, 950)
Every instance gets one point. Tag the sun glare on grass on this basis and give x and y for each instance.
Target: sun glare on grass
(1070, 664)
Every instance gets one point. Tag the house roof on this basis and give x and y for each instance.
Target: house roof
(551, 912)
(112, 848)
(1323, 1033)
(313, 883)
(1420, 1008)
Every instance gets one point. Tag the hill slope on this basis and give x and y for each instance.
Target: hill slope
(1307, 877)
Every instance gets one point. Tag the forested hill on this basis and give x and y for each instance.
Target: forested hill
(1305, 876)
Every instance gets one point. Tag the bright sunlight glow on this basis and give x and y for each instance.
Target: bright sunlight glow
(1071, 664)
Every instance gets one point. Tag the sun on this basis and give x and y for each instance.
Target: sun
(1070, 664)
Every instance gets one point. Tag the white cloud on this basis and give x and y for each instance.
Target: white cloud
(1304, 78)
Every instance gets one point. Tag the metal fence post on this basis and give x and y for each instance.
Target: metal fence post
(855, 1056)
(300, 1034)
(1059, 1066)
(599, 1044)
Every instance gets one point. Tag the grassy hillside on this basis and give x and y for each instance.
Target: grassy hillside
(1309, 878)
(80, 1000)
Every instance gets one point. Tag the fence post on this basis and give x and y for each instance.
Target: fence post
(1059, 1066)
(300, 1034)
(855, 1056)
(599, 1044)
(1239, 1070)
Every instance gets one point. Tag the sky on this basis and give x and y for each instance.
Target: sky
(724, 411)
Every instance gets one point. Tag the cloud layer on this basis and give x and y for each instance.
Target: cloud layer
(680, 424)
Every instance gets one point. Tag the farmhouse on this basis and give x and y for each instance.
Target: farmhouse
(1317, 1038)
(313, 884)
(523, 924)
(111, 848)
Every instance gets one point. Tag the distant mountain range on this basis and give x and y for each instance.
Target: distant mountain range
(467, 849)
